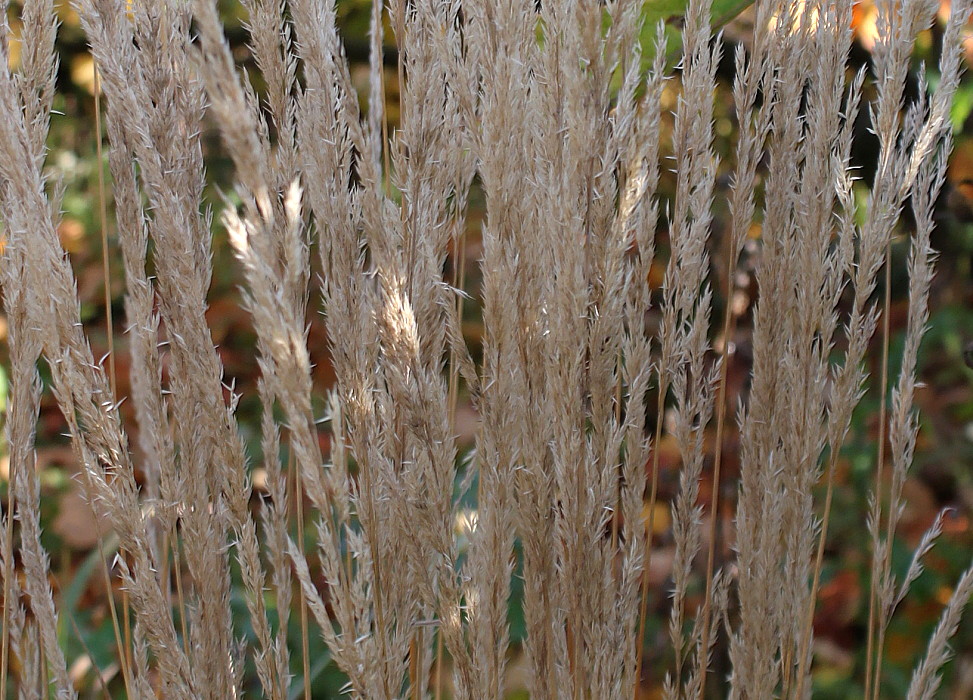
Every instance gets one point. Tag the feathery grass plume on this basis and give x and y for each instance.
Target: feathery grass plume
(549, 106)
(926, 679)
(280, 292)
(24, 484)
(639, 125)
(687, 300)
(753, 651)
(502, 54)
(211, 457)
(79, 384)
(891, 60)
(333, 152)
(811, 324)
(560, 343)
(790, 432)
(753, 76)
(25, 390)
(33, 88)
(417, 462)
(14, 614)
(928, 172)
(161, 485)
(431, 170)
(502, 397)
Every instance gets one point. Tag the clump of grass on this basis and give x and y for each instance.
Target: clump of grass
(557, 113)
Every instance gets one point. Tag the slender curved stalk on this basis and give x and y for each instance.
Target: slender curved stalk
(729, 324)
(125, 657)
(872, 678)
(650, 529)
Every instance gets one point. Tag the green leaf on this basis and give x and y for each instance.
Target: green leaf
(667, 10)
(962, 106)
(724, 11)
(79, 582)
(670, 11)
(664, 10)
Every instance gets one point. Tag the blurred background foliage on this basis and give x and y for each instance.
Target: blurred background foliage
(942, 476)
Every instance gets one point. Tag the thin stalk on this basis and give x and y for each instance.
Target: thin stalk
(94, 664)
(729, 324)
(650, 529)
(414, 667)
(166, 577)
(365, 472)
(180, 598)
(45, 679)
(459, 281)
(616, 503)
(386, 155)
(883, 427)
(299, 515)
(439, 667)
(103, 215)
(787, 668)
(816, 581)
(872, 680)
(569, 642)
(122, 657)
(7, 586)
(617, 497)
(125, 657)
(127, 626)
(372, 536)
